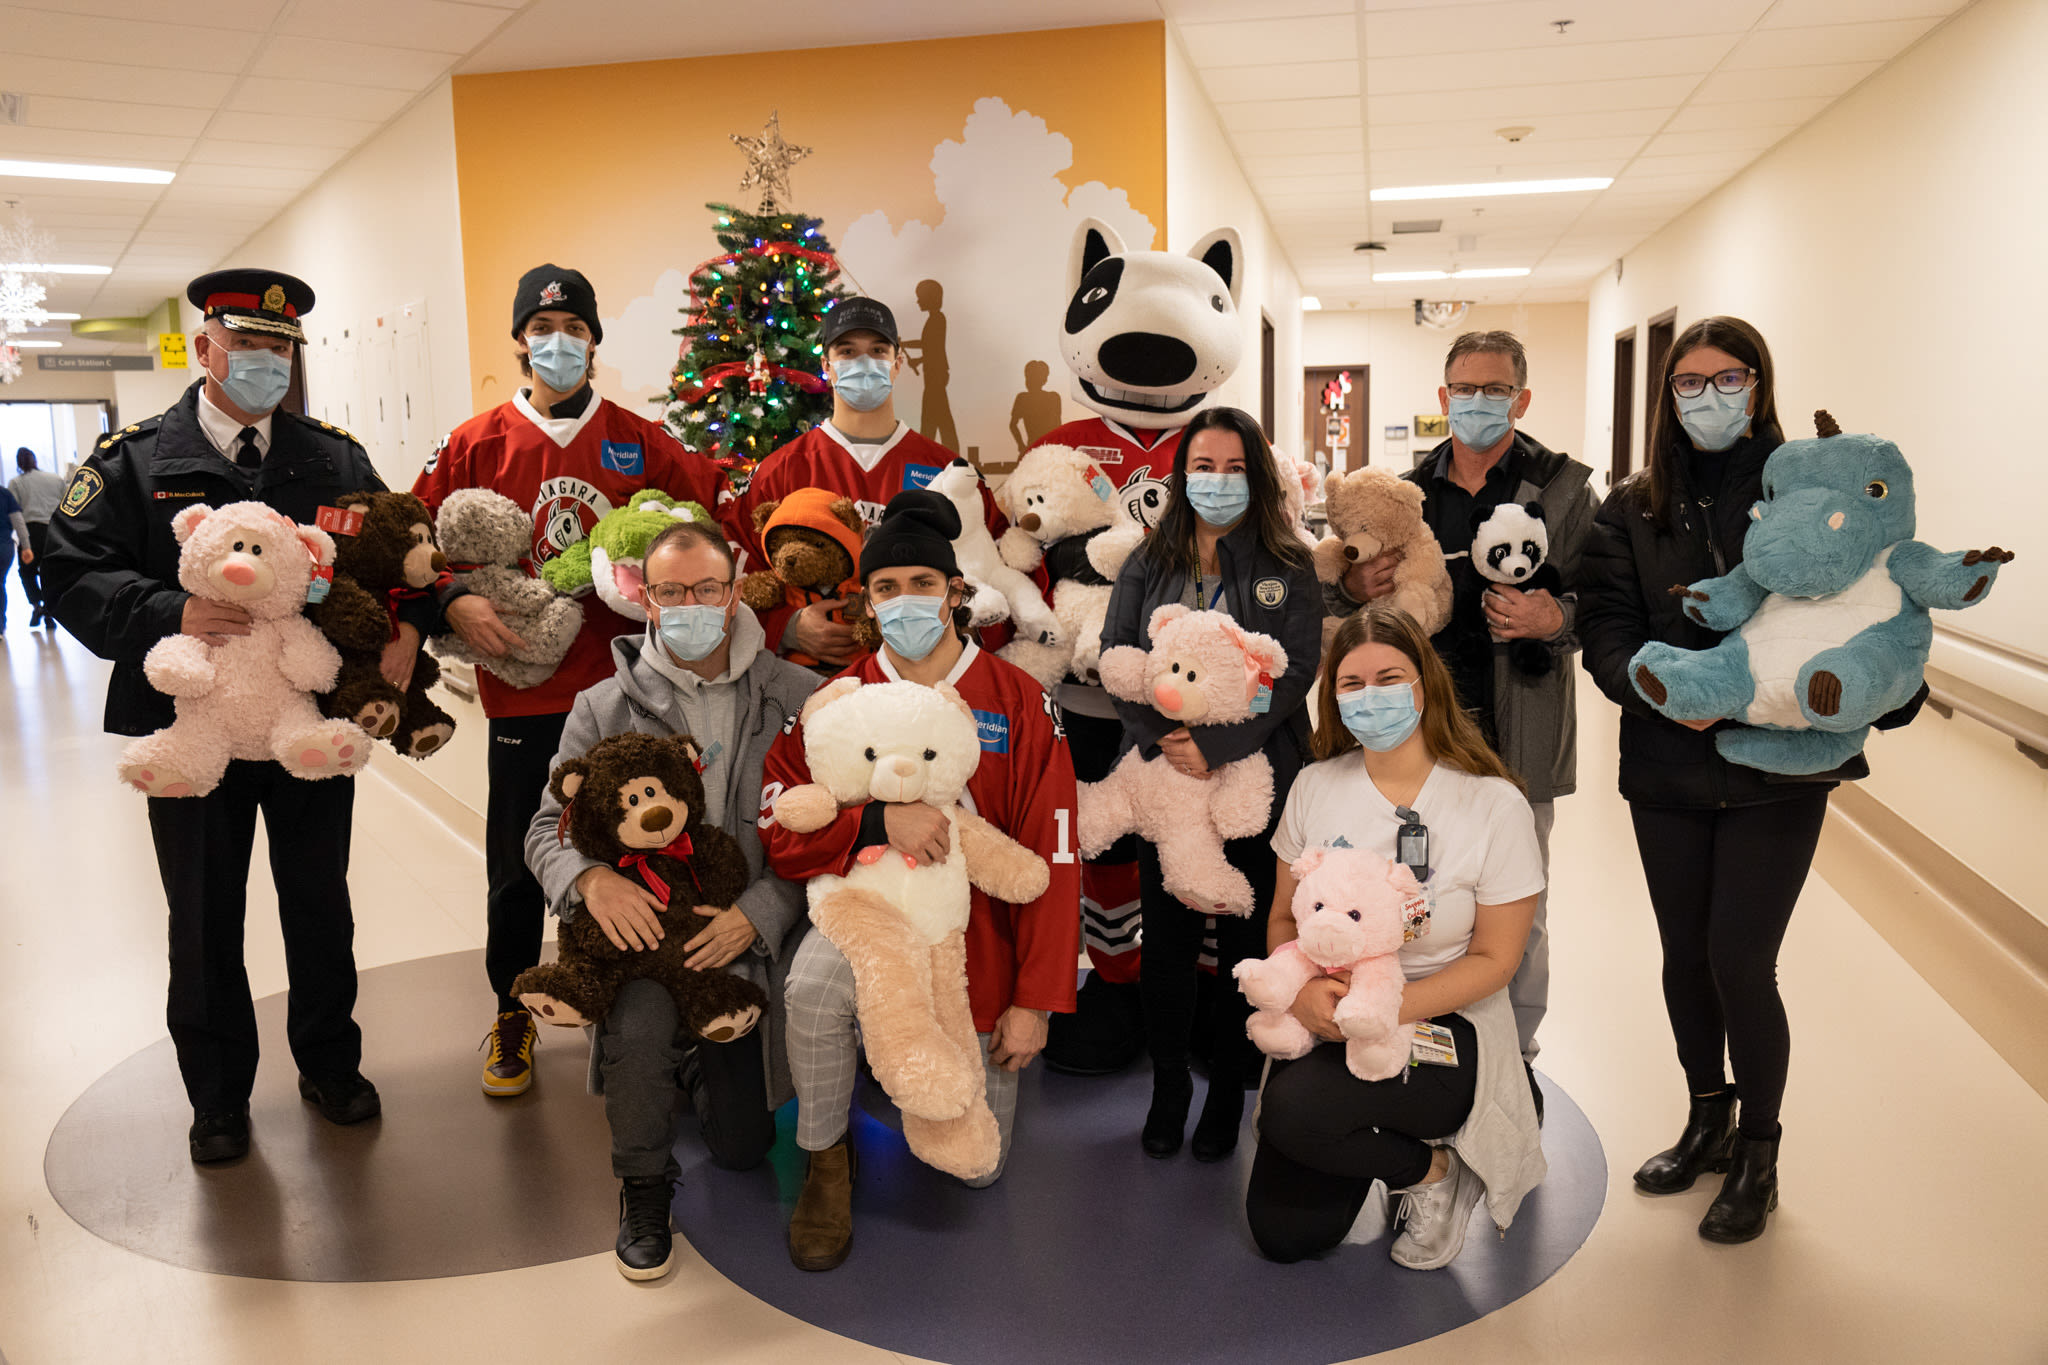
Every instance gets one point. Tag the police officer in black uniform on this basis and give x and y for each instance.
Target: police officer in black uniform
(112, 576)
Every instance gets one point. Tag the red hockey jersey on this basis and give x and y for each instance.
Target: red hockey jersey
(1137, 462)
(1016, 954)
(568, 471)
(824, 458)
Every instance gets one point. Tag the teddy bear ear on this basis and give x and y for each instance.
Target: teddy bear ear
(1309, 861)
(1164, 617)
(568, 780)
(1331, 481)
(947, 691)
(1401, 878)
(762, 513)
(318, 543)
(687, 746)
(1262, 650)
(848, 514)
(825, 696)
(187, 521)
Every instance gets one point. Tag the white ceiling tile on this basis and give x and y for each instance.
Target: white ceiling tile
(1348, 140)
(1755, 114)
(1783, 82)
(1519, 103)
(1802, 13)
(1550, 66)
(1827, 45)
(1269, 41)
(1528, 24)
(1326, 163)
(264, 94)
(1293, 80)
(144, 85)
(1752, 140)
(252, 16)
(389, 68)
(298, 129)
(107, 116)
(1420, 168)
(222, 152)
(167, 47)
(1551, 130)
(1321, 182)
(1261, 115)
(259, 177)
(1184, 12)
(1534, 159)
(1718, 164)
(125, 149)
(425, 25)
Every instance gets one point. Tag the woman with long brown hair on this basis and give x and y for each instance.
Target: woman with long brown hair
(1397, 752)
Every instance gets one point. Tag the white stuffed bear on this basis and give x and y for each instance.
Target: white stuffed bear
(252, 696)
(1064, 514)
(900, 926)
(999, 592)
(484, 536)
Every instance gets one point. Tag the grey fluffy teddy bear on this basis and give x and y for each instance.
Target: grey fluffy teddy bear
(485, 535)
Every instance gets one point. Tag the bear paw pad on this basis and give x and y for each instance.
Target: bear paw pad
(731, 1025)
(429, 739)
(549, 1010)
(1824, 693)
(1651, 686)
(336, 749)
(155, 779)
(380, 718)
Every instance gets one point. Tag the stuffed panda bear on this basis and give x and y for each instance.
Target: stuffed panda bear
(1511, 546)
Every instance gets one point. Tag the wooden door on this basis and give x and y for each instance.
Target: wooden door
(1621, 462)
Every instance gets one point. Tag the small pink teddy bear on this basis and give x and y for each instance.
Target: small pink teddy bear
(251, 697)
(1354, 910)
(1202, 669)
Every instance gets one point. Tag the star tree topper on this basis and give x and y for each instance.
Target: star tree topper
(768, 161)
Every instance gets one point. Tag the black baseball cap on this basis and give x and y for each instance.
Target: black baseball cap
(857, 314)
(266, 301)
(553, 286)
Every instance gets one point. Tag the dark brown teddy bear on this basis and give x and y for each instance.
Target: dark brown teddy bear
(635, 802)
(812, 540)
(384, 556)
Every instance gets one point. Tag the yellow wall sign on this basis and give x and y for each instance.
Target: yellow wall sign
(171, 348)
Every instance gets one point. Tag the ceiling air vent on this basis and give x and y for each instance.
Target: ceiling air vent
(1418, 225)
(13, 107)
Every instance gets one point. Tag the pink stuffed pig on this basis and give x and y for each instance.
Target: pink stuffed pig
(1202, 669)
(1354, 910)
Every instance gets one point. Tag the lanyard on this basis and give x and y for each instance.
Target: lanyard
(1215, 598)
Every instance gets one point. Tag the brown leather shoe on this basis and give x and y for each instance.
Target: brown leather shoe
(821, 1227)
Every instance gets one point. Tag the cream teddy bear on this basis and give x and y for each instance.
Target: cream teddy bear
(1354, 910)
(1371, 511)
(484, 536)
(900, 926)
(999, 592)
(1203, 669)
(252, 696)
(1064, 514)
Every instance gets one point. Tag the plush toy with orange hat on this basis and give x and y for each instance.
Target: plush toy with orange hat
(812, 538)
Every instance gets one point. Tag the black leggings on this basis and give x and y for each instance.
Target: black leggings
(1723, 884)
(1325, 1136)
(1167, 975)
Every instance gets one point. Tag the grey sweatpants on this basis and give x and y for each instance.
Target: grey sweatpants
(824, 1053)
(1529, 991)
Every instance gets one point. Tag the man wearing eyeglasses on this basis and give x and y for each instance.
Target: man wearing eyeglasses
(1529, 720)
(701, 668)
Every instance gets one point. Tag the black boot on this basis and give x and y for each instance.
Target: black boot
(1167, 1120)
(1103, 1035)
(1703, 1146)
(1747, 1196)
(1222, 1112)
(646, 1246)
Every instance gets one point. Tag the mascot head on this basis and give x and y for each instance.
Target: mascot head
(1150, 335)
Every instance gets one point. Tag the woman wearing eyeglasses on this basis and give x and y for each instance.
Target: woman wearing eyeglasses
(1725, 848)
(1396, 751)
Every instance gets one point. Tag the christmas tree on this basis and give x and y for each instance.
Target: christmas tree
(751, 372)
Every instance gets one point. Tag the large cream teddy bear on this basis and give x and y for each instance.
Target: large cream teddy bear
(484, 536)
(1064, 513)
(1203, 669)
(900, 926)
(999, 592)
(1354, 910)
(1371, 511)
(252, 696)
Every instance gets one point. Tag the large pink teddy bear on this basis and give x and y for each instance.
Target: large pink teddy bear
(1354, 910)
(1202, 669)
(252, 697)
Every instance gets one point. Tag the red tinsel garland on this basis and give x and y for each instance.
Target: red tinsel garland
(718, 374)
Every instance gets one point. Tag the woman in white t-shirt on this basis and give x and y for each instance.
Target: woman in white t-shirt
(1394, 749)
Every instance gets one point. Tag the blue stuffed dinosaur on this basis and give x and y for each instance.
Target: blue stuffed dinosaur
(1826, 615)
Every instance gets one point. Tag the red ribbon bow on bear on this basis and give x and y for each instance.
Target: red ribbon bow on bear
(396, 595)
(677, 848)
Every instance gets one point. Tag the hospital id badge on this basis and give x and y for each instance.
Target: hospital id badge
(1432, 1045)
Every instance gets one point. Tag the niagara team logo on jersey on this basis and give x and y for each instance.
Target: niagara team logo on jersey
(1052, 711)
(563, 513)
(1144, 501)
(870, 512)
(552, 293)
(434, 455)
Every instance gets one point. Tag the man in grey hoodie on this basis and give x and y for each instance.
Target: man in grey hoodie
(701, 668)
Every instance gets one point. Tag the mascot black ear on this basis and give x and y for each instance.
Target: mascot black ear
(1223, 253)
(1094, 242)
(1534, 509)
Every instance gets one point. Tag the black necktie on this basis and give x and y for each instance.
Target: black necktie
(246, 454)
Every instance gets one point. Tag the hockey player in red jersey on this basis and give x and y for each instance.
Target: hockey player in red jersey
(570, 456)
(861, 452)
(1020, 958)
(1150, 336)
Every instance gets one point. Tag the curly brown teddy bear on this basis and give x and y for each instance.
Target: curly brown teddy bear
(384, 556)
(635, 802)
(812, 539)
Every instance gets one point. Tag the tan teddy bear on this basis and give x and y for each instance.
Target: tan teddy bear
(1371, 511)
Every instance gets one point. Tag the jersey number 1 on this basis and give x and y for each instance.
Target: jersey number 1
(1065, 852)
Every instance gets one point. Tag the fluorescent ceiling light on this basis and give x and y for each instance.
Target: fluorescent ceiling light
(45, 345)
(59, 269)
(1311, 304)
(62, 317)
(1406, 276)
(1488, 189)
(74, 170)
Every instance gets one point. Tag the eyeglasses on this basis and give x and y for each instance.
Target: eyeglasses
(709, 593)
(1728, 381)
(1490, 390)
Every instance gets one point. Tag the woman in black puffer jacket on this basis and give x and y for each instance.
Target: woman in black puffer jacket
(1725, 848)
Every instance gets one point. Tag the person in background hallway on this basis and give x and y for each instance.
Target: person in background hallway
(1725, 848)
(38, 491)
(13, 542)
(1531, 722)
(1225, 544)
(111, 579)
(1393, 744)
(570, 456)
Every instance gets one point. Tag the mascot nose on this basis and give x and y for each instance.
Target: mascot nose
(1146, 359)
(1835, 522)
(1029, 521)
(1168, 697)
(238, 573)
(656, 819)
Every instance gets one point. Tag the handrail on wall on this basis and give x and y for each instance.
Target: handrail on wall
(1949, 694)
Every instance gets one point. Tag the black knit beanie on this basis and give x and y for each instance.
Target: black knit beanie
(917, 529)
(554, 286)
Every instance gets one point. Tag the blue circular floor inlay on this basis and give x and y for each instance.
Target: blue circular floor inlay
(1087, 1249)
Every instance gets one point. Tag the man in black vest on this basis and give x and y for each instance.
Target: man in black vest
(111, 579)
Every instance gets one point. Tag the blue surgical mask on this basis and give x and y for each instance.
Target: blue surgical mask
(1479, 422)
(1715, 420)
(1220, 499)
(1380, 717)
(912, 625)
(692, 630)
(257, 380)
(863, 381)
(560, 360)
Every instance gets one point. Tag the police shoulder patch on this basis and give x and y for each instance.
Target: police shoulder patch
(86, 485)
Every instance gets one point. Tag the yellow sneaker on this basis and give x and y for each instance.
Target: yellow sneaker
(509, 1068)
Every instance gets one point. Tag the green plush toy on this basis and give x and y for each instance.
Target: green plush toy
(613, 557)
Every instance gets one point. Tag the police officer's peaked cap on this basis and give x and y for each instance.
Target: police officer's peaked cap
(267, 301)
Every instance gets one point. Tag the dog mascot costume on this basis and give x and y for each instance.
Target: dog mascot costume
(1149, 335)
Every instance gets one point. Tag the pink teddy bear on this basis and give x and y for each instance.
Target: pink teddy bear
(1354, 910)
(1203, 669)
(250, 698)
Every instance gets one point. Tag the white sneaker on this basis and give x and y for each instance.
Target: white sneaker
(1437, 1216)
